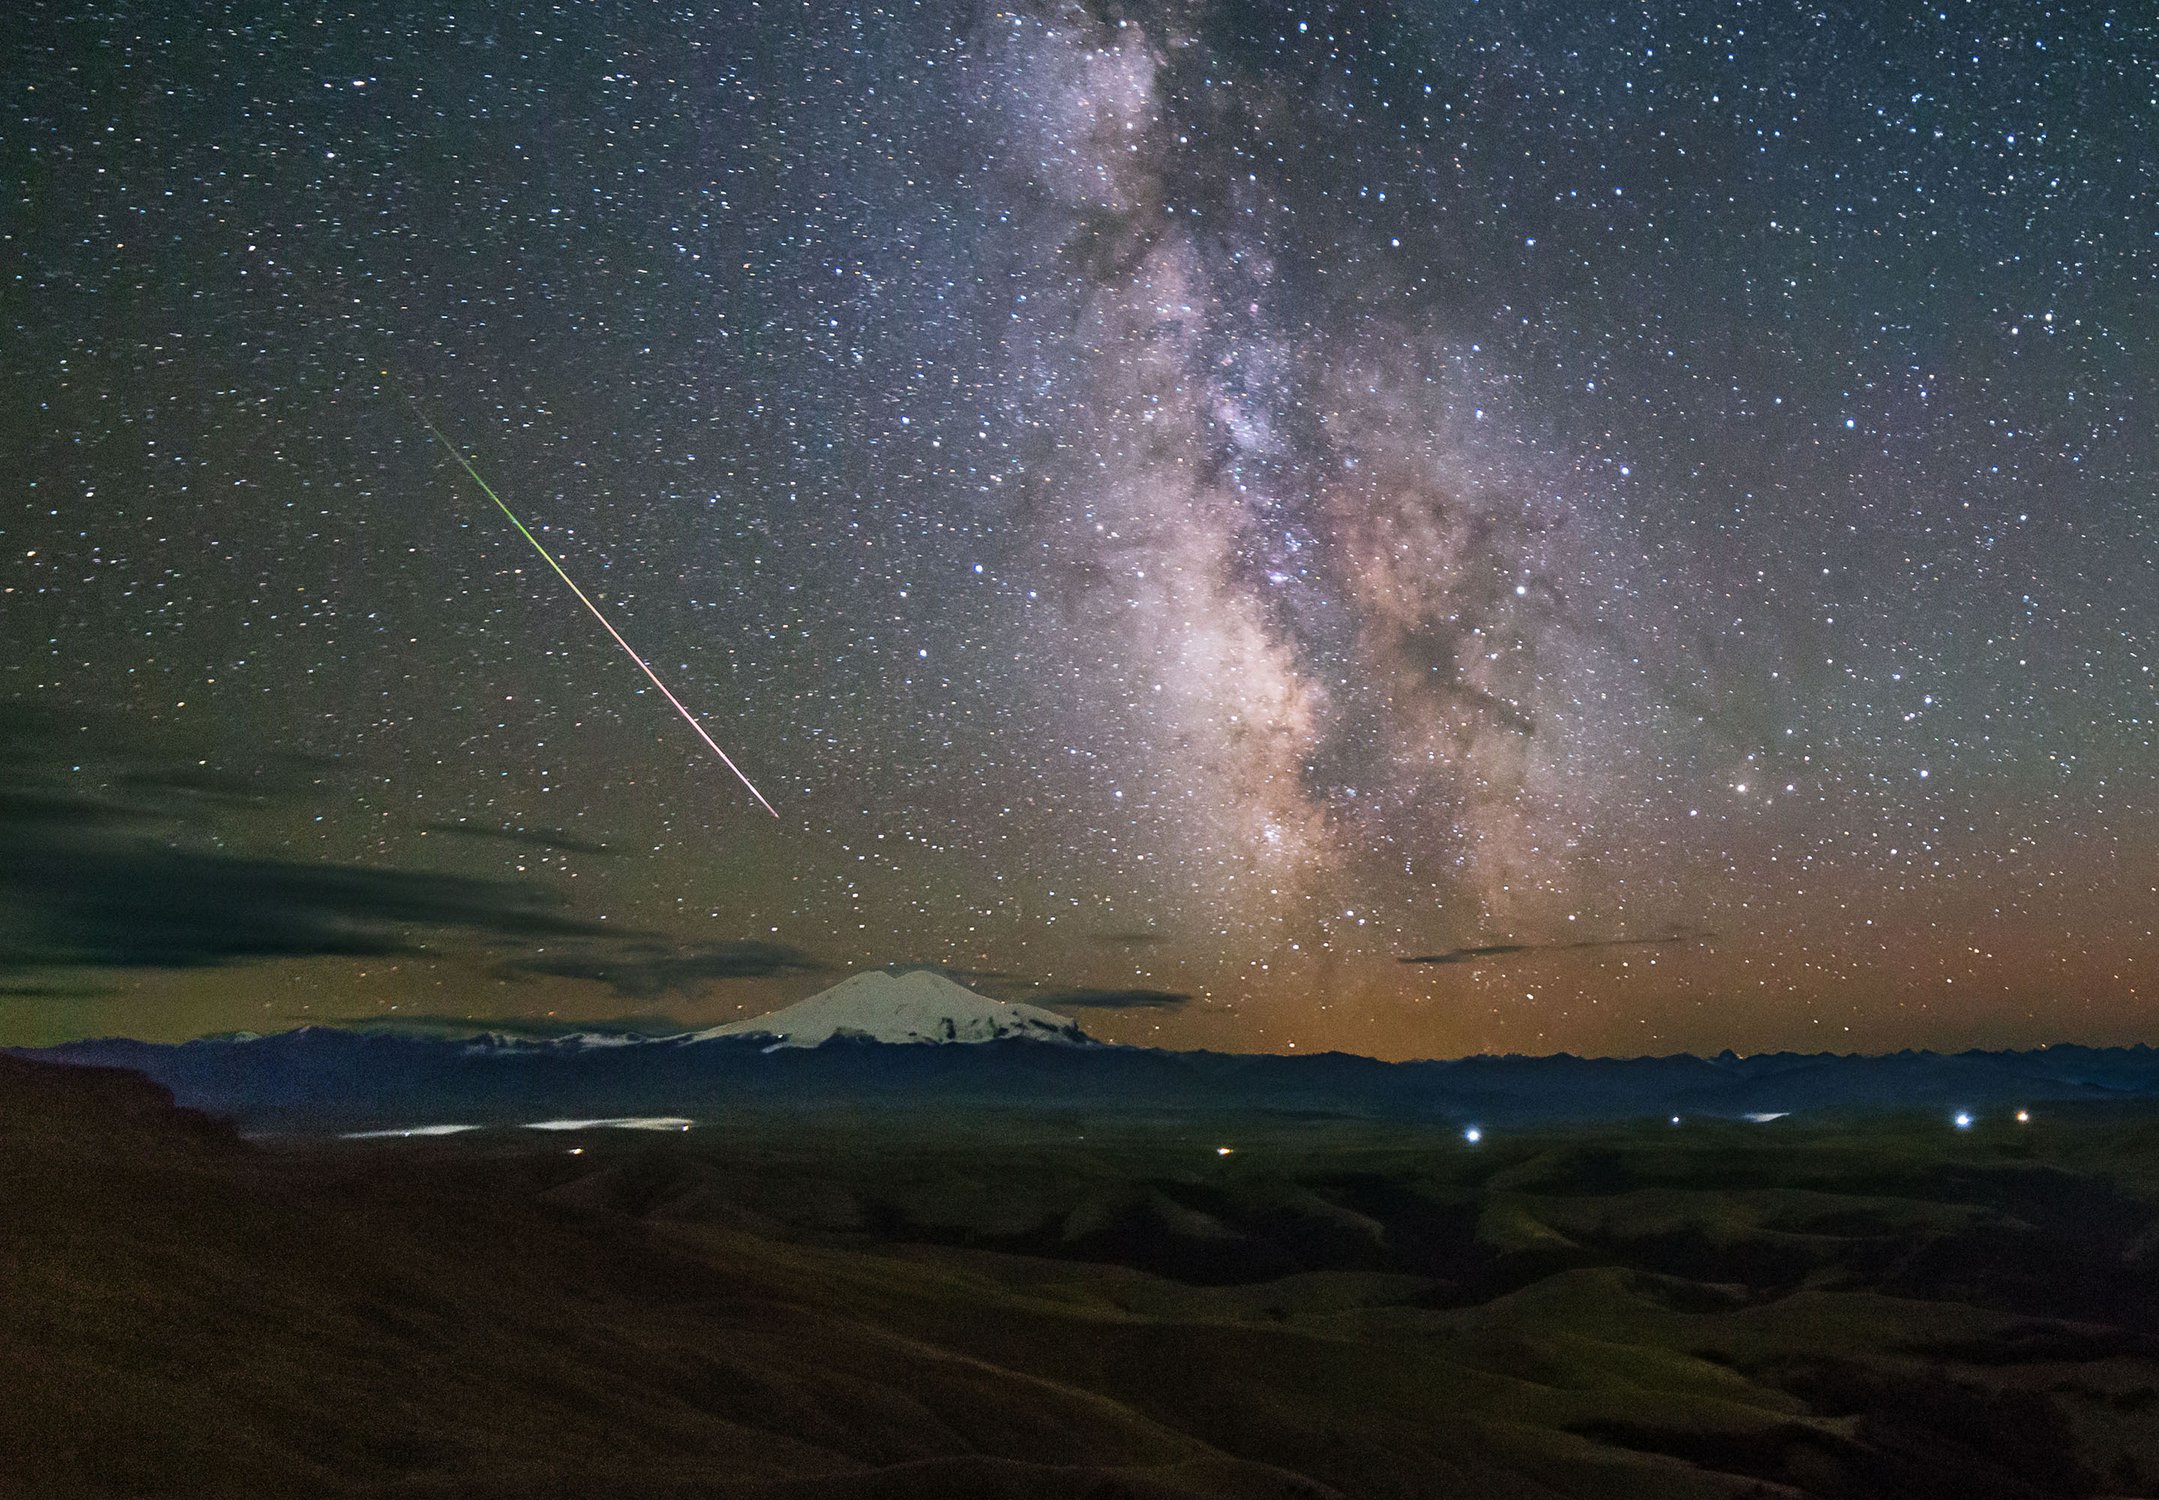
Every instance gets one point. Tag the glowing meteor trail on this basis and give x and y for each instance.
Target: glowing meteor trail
(642, 665)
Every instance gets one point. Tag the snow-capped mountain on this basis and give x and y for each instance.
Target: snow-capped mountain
(919, 1006)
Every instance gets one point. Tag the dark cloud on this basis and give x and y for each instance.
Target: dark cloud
(92, 902)
(88, 880)
(1468, 955)
(1135, 999)
(194, 784)
(553, 839)
(993, 977)
(638, 1024)
(646, 970)
(199, 788)
(1483, 951)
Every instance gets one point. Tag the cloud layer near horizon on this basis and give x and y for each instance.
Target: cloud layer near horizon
(1112, 999)
(1483, 951)
(124, 868)
(653, 970)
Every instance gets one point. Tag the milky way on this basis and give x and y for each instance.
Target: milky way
(1190, 499)
(1323, 644)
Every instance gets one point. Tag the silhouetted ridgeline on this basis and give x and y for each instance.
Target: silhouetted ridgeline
(326, 1078)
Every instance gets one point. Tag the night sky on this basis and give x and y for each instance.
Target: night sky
(1181, 505)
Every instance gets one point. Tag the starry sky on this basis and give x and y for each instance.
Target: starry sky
(1410, 529)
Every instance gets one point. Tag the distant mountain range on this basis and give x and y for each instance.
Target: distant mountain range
(918, 1041)
(918, 1006)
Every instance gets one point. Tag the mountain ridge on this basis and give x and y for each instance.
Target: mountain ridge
(318, 1078)
(918, 1007)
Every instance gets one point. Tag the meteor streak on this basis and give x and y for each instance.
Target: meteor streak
(642, 665)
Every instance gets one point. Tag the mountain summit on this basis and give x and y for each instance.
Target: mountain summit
(918, 1006)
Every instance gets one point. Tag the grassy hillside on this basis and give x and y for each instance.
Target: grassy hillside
(1050, 1307)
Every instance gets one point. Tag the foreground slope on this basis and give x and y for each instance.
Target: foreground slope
(1073, 1307)
(187, 1315)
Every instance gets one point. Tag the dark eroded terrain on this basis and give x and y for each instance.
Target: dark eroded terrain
(1049, 1307)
